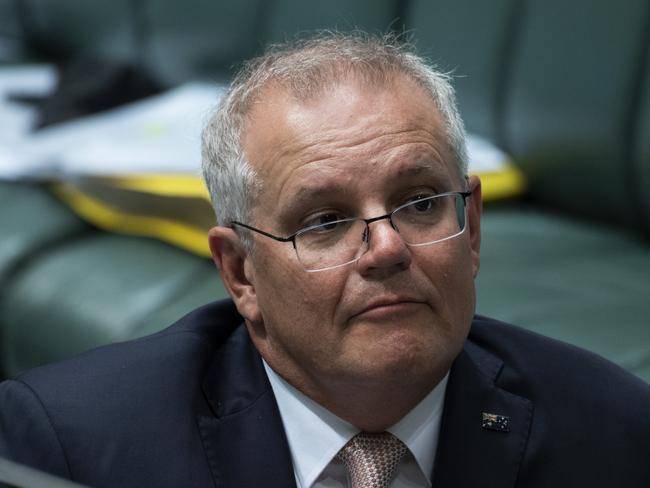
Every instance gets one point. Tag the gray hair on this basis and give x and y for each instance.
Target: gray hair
(303, 68)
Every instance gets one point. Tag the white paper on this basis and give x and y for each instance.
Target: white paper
(17, 119)
(485, 157)
(160, 134)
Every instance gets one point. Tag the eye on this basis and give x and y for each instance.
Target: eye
(421, 203)
(422, 209)
(324, 222)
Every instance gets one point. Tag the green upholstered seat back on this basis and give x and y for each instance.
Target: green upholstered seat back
(289, 17)
(207, 38)
(642, 144)
(67, 29)
(572, 101)
(473, 41)
(200, 38)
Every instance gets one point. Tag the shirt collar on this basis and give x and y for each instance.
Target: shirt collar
(419, 429)
(315, 434)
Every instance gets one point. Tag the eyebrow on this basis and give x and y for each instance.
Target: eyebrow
(430, 167)
(315, 192)
(310, 192)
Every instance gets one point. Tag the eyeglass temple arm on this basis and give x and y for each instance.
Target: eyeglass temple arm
(254, 229)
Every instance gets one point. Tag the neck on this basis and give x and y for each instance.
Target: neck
(376, 409)
(369, 406)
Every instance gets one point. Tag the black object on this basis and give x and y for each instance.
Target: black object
(89, 86)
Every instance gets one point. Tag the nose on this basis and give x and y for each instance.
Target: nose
(387, 253)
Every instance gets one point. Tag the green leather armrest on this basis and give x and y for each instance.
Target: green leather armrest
(582, 283)
(95, 290)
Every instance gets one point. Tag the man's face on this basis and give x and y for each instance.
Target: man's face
(397, 314)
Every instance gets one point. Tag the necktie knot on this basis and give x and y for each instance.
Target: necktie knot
(371, 459)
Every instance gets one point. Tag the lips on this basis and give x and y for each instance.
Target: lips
(387, 306)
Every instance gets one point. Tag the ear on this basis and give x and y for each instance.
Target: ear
(474, 210)
(236, 270)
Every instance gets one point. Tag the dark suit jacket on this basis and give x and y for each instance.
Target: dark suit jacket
(192, 406)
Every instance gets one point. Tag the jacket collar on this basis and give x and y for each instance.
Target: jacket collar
(472, 453)
(239, 421)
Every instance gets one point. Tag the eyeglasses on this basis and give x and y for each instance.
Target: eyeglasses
(336, 243)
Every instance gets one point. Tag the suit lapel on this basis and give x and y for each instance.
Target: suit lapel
(240, 425)
(470, 454)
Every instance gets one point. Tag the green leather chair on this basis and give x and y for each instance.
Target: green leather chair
(573, 105)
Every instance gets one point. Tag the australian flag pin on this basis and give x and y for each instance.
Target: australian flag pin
(492, 421)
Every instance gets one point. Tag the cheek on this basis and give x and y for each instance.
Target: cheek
(287, 293)
(298, 311)
(449, 270)
(459, 288)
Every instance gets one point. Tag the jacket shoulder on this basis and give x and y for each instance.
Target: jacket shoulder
(134, 400)
(532, 357)
(585, 408)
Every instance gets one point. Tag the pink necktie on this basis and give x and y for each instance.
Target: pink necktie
(371, 459)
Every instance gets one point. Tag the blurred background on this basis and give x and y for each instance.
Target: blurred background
(103, 214)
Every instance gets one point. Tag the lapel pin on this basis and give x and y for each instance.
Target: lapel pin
(492, 421)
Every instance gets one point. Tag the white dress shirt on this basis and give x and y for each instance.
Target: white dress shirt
(316, 435)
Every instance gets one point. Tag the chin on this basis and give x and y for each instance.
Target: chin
(404, 358)
(423, 347)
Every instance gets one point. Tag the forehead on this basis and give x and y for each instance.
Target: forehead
(348, 130)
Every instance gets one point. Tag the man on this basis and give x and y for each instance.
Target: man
(348, 239)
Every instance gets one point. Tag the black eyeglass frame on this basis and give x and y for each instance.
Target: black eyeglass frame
(389, 216)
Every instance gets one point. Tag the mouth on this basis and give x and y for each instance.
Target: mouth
(388, 308)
